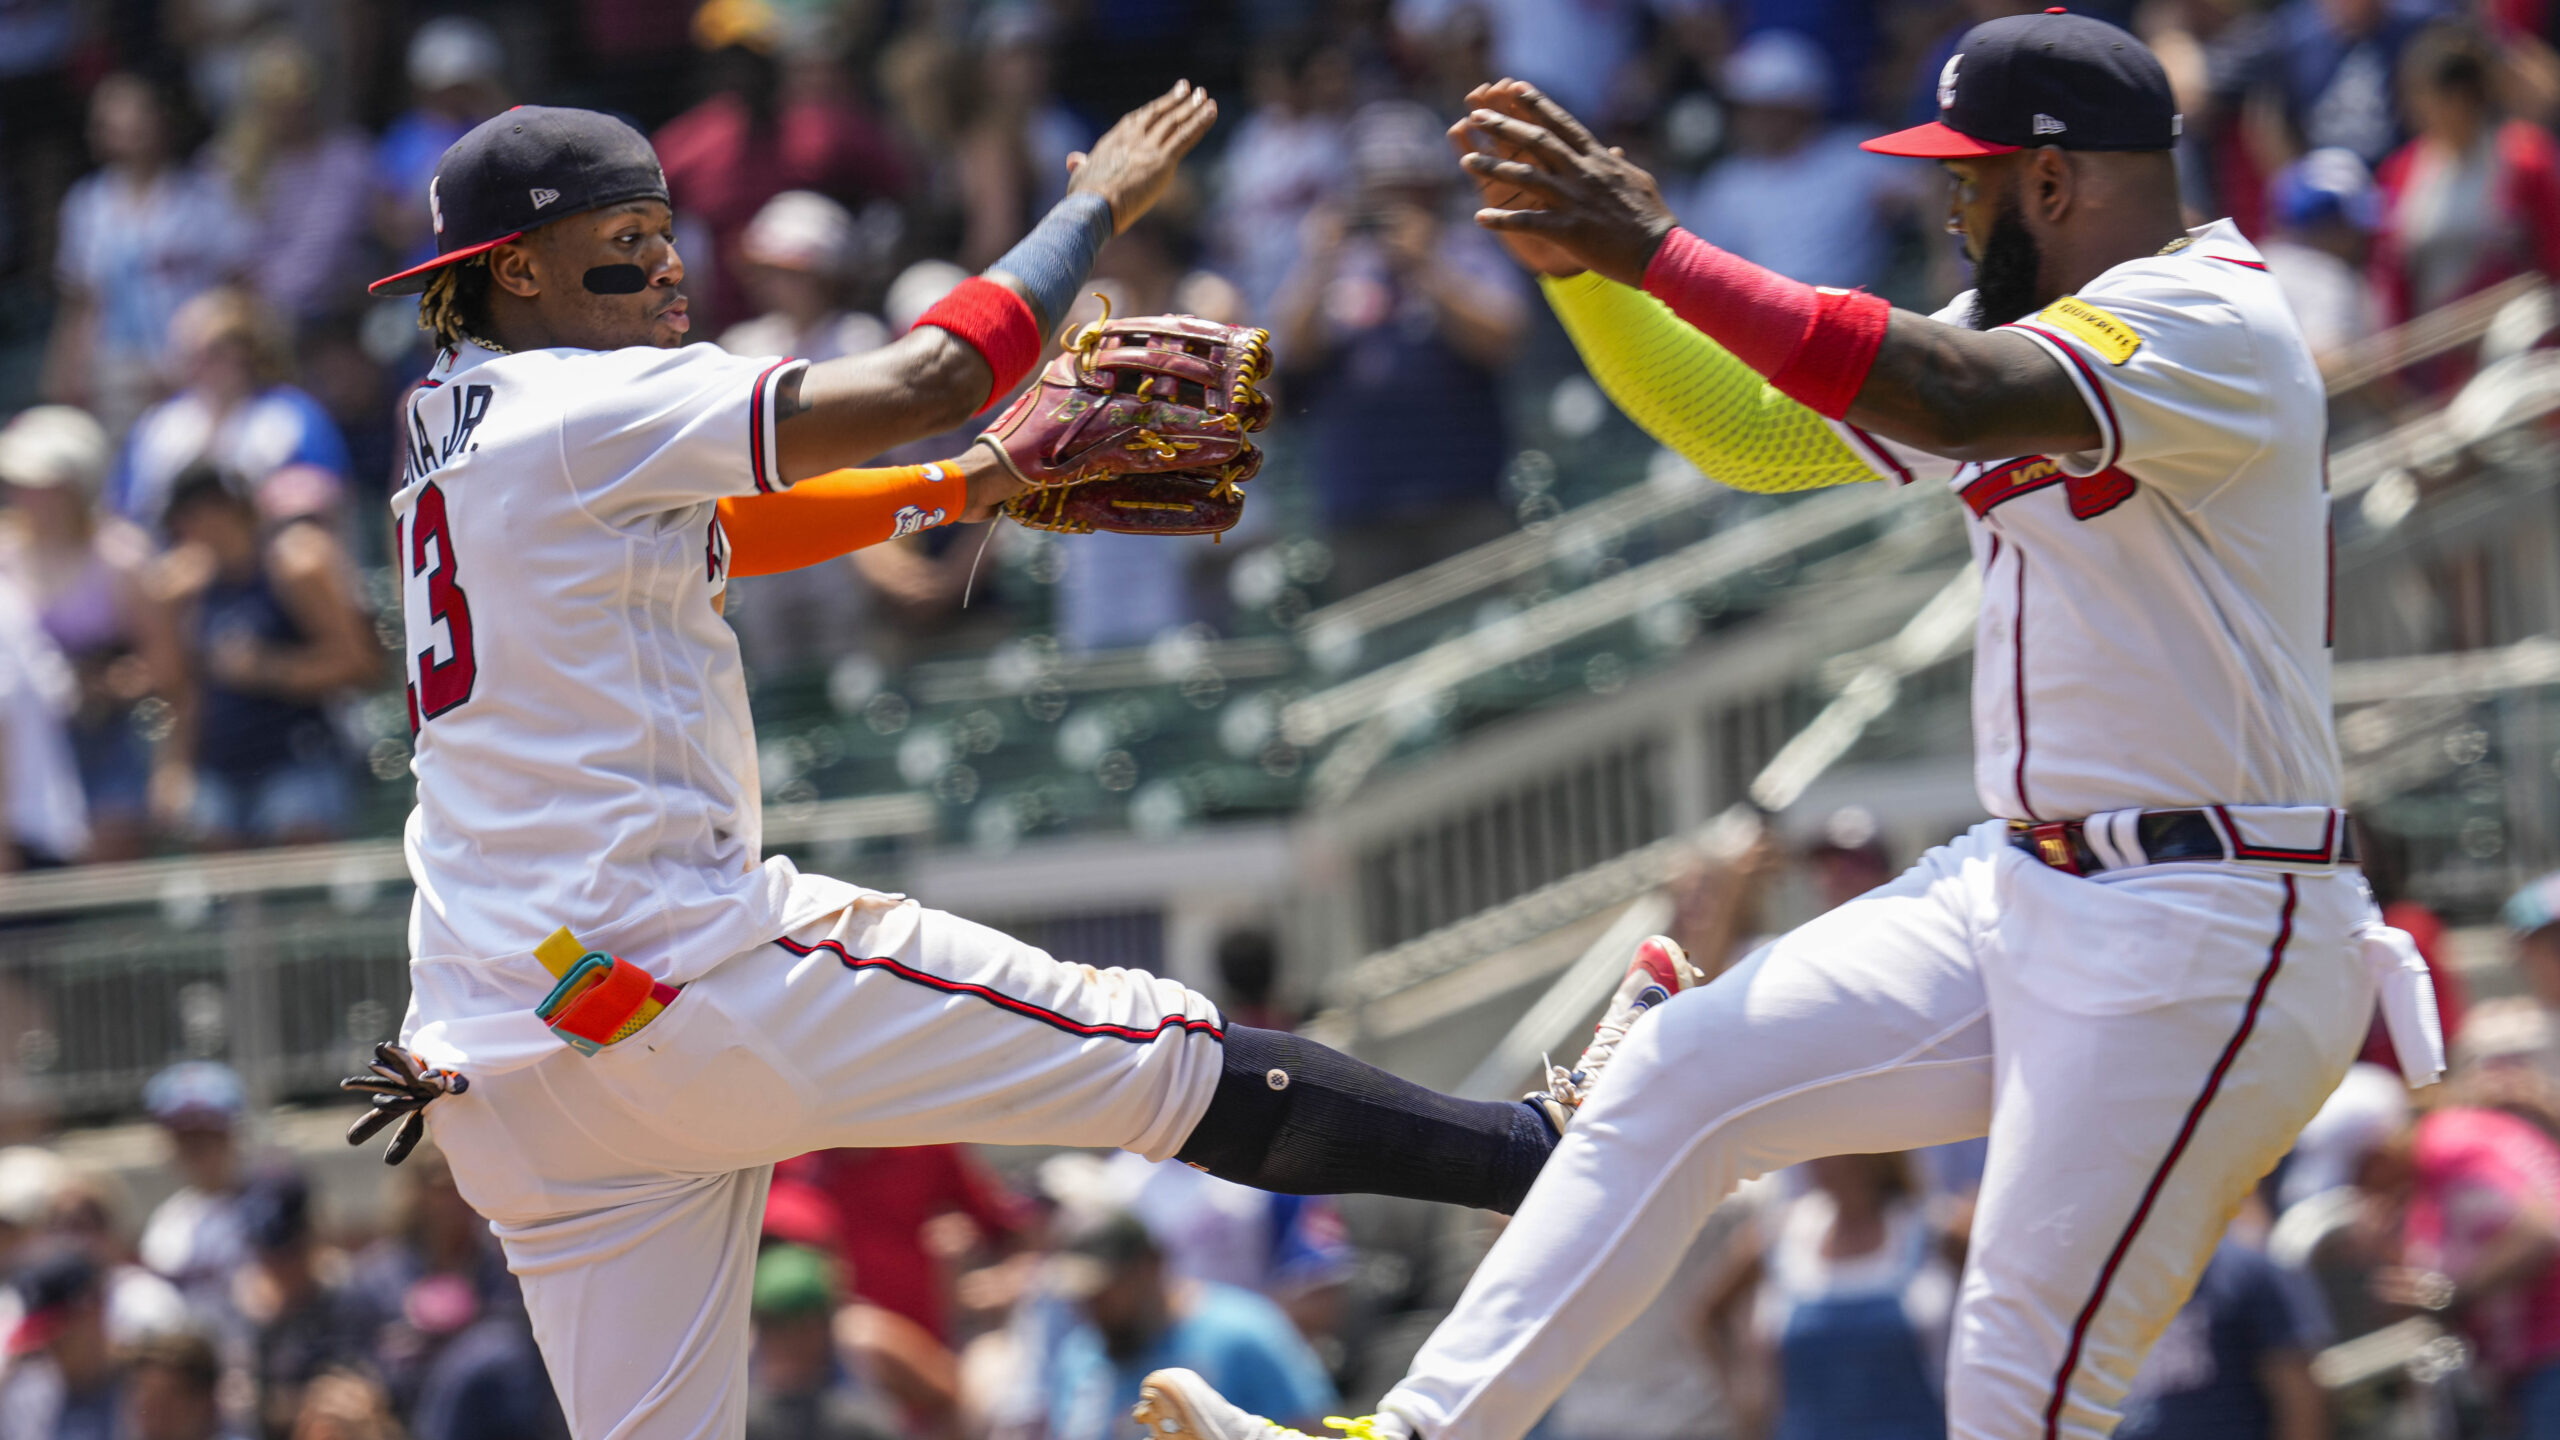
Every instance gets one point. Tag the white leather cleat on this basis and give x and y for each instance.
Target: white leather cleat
(1660, 970)
(1180, 1405)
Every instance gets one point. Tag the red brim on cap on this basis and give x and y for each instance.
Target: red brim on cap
(415, 278)
(36, 1330)
(1934, 141)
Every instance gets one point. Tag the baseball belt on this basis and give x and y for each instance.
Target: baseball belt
(2168, 836)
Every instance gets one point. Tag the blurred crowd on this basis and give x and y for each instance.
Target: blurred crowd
(195, 627)
(194, 595)
(2396, 1278)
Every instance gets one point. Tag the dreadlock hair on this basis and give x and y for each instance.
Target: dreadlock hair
(456, 302)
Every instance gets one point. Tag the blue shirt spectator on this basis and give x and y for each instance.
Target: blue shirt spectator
(1397, 325)
(236, 413)
(2334, 66)
(1236, 1338)
(456, 67)
(2234, 1359)
(1138, 1319)
(1796, 194)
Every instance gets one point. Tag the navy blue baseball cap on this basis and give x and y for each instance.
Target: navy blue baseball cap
(2051, 79)
(527, 167)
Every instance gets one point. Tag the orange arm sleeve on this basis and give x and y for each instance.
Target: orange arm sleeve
(837, 513)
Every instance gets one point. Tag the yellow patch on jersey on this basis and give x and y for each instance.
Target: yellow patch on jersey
(2110, 337)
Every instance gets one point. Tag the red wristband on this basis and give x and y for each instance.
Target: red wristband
(1815, 345)
(996, 323)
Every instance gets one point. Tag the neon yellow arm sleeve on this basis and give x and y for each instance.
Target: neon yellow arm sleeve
(1691, 394)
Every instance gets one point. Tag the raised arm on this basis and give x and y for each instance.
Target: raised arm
(1960, 393)
(978, 344)
(1691, 394)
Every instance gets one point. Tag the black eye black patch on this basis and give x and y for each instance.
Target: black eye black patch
(616, 280)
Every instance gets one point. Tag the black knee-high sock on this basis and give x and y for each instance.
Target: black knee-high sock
(1293, 1116)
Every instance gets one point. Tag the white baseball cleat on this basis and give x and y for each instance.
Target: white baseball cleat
(1660, 970)
(1179, 1405)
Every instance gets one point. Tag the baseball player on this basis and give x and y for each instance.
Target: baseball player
(2146, 974)
(623, 1011)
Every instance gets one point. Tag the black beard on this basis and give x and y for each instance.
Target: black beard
(2004, 279)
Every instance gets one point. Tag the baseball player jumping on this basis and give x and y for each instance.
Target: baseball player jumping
(622, 1010)
(2145, 975)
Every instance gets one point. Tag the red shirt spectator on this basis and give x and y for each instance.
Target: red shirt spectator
(883, 1199)
(2483, 1180)
(2471, 201)
(730, 154)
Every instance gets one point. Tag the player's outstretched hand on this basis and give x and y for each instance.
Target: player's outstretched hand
(1560, 198)
(1134, 161)
(1535, 252)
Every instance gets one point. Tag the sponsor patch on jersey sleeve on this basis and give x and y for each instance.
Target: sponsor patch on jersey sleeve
(2101, 331)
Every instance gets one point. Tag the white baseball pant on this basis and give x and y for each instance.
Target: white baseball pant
(628, 1187)
(2141, 1046)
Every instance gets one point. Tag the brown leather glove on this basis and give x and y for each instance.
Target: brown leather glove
(1141, 425)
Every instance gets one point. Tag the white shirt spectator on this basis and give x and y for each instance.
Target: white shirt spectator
(46, 813)
(1122, 590)
(2328, 295)
(1572, 49)
(194, 1239)
(1280, 168)
(143, 253)
(1815, 215)
(1228, 1234)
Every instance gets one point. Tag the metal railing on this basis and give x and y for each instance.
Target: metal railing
(288, 963)
(2506, 318)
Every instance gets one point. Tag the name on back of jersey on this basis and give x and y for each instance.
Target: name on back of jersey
(430, 453)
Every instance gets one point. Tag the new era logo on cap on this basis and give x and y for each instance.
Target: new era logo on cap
(526, 167)
(2049, 79)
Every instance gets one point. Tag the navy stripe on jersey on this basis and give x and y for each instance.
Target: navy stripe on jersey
(758, 463)
(1136, 1033)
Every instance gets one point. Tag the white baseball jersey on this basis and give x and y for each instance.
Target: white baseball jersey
(584, 752)
(2155, 612)
(2140, 1044)
(584, 758)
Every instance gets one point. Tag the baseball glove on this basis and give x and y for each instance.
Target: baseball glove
(1140, 426)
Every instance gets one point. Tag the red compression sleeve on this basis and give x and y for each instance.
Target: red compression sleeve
(837, 513)
(996, 323)
(1815, 345)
